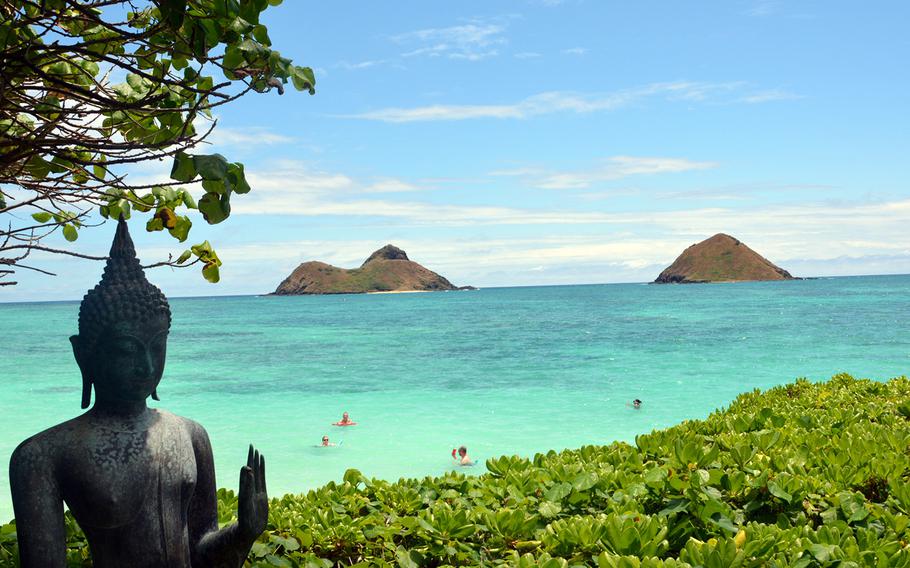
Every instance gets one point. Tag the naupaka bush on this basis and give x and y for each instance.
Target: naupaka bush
(805, 474)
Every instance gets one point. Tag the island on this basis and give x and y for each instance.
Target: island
(387, 270)
(721, 258)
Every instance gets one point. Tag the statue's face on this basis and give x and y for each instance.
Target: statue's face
(128, 360)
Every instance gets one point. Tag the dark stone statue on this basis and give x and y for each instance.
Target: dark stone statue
(139, 481)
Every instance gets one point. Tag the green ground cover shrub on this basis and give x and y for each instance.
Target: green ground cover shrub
(799, 476)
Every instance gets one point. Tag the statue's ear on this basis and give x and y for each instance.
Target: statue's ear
(83, 361)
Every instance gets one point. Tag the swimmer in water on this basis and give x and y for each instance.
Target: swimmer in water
(345, 421)
(463, 458)
(325, 441)
(636, 403)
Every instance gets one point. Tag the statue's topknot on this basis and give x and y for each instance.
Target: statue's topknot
(123, 293)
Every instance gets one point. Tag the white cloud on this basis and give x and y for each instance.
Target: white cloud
(575, 51)
(390, 185)
(808, 240)
(472, 41)
(293, 188)
(527, 55)
(613, 168)
(560, 101)
(813, 229)
(222, 136)
(298, 201)
(769, 96)
(361, 64)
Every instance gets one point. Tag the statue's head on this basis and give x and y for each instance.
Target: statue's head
(123, 326)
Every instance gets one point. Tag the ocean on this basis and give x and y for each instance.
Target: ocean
(500, 370)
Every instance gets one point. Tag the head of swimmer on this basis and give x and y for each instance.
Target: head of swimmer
(462, 451)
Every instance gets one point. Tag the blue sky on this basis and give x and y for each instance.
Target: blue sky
(559, 142)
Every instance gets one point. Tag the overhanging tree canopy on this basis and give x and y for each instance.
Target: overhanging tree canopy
(88, 88)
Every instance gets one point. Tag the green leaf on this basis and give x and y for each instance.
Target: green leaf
(184, 256)
(724, 522)
(548, 509)
(304, 80)
(408, 558)
(238, 178)
(261, 33)
(214, 186)
(154, 224)
(210, 272)
(70, 233)
(203, 250)
(558, 492)
(181, 228)
(584, 481)
(173, 12)
(42, 217)
(821, 552)
(674, 506)
(212, 208)
(184, 168)
(144, 203)
(213, 167)
(278, 561)
(188, 199)
(775, 490)
(353, 476)
(233, 58)
(38, 167)
(853, 506)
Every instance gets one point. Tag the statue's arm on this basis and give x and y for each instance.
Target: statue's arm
(38, 506)
(229, 546)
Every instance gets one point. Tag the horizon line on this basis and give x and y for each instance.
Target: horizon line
(636, 283)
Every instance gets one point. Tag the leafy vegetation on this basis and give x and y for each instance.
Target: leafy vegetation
(91, 87)
(800, 476)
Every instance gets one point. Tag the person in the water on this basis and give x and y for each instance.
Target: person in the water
(345, 421)
(325, 441)
(636, 403)
(462, 458)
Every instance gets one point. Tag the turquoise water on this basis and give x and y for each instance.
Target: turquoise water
(503, 371)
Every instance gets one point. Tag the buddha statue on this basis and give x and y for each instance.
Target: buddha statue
(139, 481)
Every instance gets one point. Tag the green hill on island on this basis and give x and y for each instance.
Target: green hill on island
(387, 270)
(720, 258)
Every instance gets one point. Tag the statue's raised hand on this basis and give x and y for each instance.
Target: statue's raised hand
(253, 505)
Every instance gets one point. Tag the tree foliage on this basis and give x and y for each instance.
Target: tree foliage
(89, 88)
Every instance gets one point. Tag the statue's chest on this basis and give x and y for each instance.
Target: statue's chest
(124, 475)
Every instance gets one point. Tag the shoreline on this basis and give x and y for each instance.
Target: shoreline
(400, 292)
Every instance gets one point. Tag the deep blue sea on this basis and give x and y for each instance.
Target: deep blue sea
(502, 371)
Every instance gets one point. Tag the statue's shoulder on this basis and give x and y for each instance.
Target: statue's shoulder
(44, 448)
(193, 428)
